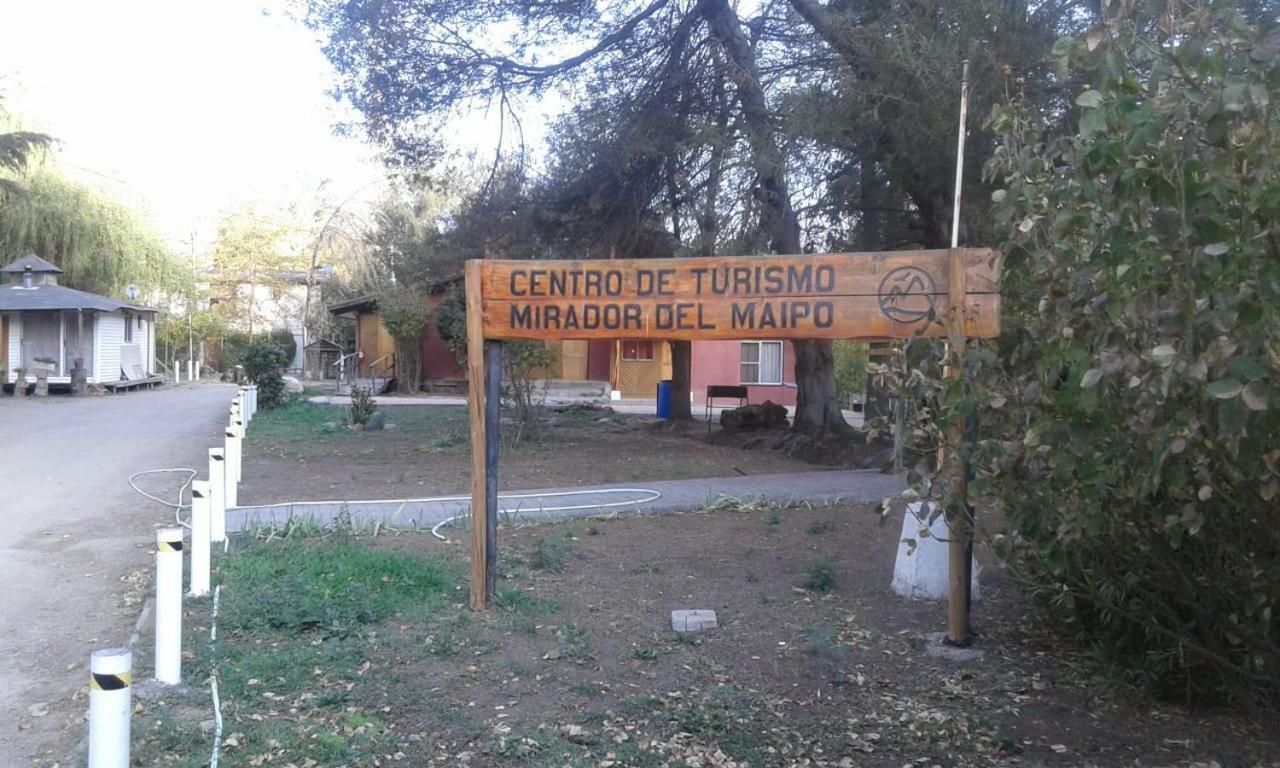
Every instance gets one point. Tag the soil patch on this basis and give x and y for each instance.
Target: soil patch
(302, 453)
(814, 661)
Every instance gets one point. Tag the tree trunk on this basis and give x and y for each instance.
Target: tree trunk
(681, 380)
(817, 409)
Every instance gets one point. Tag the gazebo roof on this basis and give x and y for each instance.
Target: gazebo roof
(33, 263)
(56, 297)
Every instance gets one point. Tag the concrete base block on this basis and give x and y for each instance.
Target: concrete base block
(693, 621)
(935, 645)
(920, 571)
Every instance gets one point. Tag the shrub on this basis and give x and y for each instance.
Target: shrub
(820, 575)
(1131, 420)
(522, 361)
(850, 369)
(362, 406)
(406, 316)
(263, 360)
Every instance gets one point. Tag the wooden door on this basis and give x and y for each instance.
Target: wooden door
(599, 359)
(573, 360)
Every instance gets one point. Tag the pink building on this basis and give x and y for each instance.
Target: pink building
(765, 367)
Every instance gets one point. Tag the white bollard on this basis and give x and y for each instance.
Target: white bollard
(110, 705)
(217, 495)
(190, 364)
(920, 571)
(169, 605)
(199, 538)
(231, 449)
(253, 401)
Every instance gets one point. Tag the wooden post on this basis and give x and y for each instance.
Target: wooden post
(493, 438)
(959, 549)
(476, 385)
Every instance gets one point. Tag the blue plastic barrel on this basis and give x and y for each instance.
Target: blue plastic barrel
(664, 399)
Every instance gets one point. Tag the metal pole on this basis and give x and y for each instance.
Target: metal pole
(110, 705)
(169, 605)
(964, 116)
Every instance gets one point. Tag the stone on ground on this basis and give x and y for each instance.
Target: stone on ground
(292, 385)
(693, 621)
(377, 421)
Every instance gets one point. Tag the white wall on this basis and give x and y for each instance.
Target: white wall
(15, 347)
(149, 351)
(107, 338)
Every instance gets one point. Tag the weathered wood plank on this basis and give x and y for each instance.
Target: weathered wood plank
(479, 453)
(861, 317)
(835, 296)
(835, 274)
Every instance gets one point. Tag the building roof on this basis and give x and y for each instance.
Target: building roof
(57, 297)
(32, 262)
(369, 302)
(324, 344)
(360, 304)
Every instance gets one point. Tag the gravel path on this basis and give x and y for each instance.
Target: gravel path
(74, 539)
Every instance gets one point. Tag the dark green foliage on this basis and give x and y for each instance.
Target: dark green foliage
(405, 314)
(851, 370)
(550, 554)
(263, 360)
(451, 321)
(820, 575)
(1131, 418)
(362, 406)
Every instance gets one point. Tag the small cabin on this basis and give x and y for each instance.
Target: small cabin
(47, 326)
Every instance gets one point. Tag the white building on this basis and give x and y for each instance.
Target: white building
(43, 324)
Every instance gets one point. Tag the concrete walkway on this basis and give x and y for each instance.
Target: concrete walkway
(547, 504)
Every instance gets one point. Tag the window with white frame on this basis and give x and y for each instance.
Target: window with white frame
(761, 362)
(128, 328)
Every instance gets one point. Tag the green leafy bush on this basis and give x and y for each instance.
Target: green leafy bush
(1131, 419)
(851, 369)
(406, 316)
(820, 575)
(362, 406)
(263, 359)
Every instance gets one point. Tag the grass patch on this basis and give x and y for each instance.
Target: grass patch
(332, 586)
(302, 429)
(821, 527)
(820, 575)
(551, 553)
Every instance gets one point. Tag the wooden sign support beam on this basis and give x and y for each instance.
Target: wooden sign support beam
(959, 546)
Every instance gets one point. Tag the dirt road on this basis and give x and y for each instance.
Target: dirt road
(76, 543)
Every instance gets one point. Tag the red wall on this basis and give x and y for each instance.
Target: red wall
(716, 362)
(437, 361)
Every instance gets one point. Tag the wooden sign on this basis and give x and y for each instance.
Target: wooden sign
(882, 295)
(888, 294)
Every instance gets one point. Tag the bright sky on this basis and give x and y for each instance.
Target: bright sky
(181, 107)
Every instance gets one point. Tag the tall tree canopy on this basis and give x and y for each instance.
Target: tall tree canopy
(102, 245)
(693, 128)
